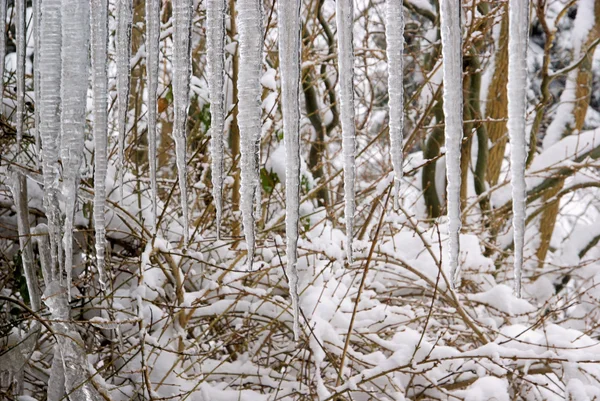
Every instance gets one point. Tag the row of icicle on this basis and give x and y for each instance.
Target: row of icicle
(62, 42)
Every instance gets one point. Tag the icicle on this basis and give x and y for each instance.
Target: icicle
(50, 106)
(123, 47)
(215, 38)
(517, 108)
(2, 50)
(289, 58)
(345, 22)
(249, 103)
(182, 30)
(21, 33)
(19, 190)
(394, 30)
(36, 76)
(453, 103)
(152, 52)
(74, 77)
(99, 50)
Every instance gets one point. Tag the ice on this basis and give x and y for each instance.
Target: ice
(2, 47)
(123, 48)
(453, 103)
(394, 30)
(99, 50)
(215, 38)
(345, 24)
(37, 12)
(21, 41)
(517, 109)
(74, 77)
(289, 26)
(50, 106)
(182, 25)
(250, 27)
(152, 60)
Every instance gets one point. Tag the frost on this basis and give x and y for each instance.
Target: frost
(453, 101)
(289, 55)
(152, 60)
(123, 47)
(249, 91)
(394, 29)
(182, 26)
(99, 52)
(74, 77)
(215, 37)
(517, 109)
(345, 24)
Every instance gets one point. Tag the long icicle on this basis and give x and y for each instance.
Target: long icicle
(453, 131)
(18, 180)
(394, 31)
(249, 103)
(517, 108)
(288, 15)
(182, 30)
(21, 36)
(123, 47)
(50, 107)
(345, 23)
(2, 50)
(215, 38)
(37, 12)
(152, 60)
(74, 77)
(99, 52)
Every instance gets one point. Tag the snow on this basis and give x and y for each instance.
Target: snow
(215, 37)
(182, 70)
(99, 56)
(344, 17)
(250, 28)
(517, 109)
(123, 48)
(74, 78)
(453, 101)
(289, 25)
(394, 28)
(152, 64)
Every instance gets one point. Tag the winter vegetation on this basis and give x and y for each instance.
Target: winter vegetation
(299, 200)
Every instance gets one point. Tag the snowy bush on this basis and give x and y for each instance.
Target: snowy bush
(247, 200)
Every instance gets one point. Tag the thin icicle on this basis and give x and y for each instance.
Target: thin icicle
(249, 103)
(19, 191)
(74, 77)
(99, 50)
(394, 30)
(123, 47)
(50, 106)
(289, 57)
(37, 12)
(21, 33)
(2, 49)
(152, 53)
(182, 31)
(344, 10)
(453, 103)
(215, 38)
(517, 108)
